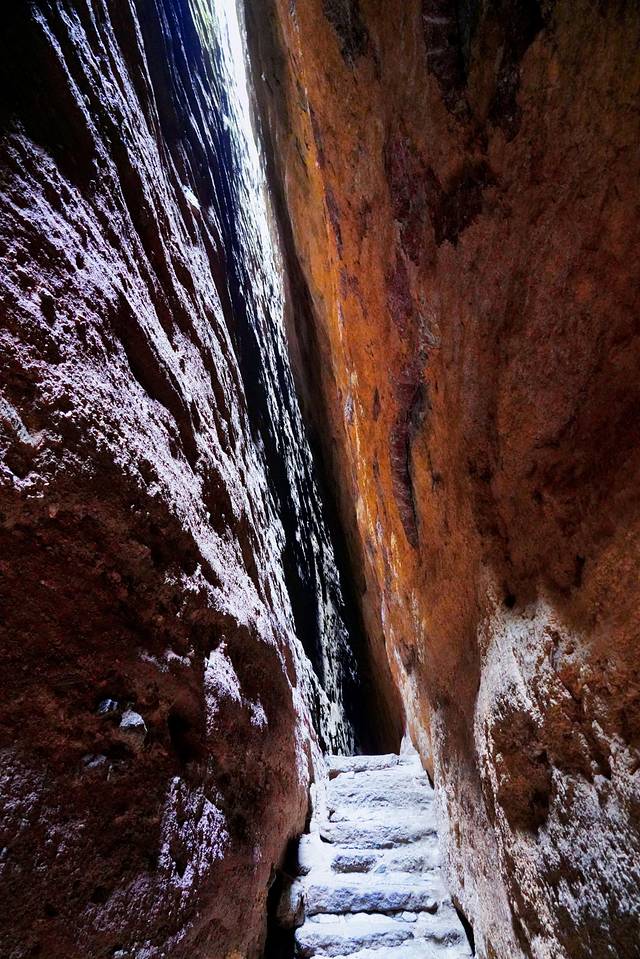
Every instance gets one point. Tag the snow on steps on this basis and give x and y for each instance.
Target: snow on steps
(370, 884)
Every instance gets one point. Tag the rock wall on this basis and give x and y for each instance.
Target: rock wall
(164, 560)
(458, 195)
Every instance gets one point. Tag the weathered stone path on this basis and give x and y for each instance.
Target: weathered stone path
(370, 884)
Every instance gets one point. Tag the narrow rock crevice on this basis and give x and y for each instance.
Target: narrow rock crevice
(319, 428)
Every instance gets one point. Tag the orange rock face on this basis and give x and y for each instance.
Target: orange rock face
(459, 199)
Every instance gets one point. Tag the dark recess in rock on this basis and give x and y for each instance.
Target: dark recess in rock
(446, 28)
(344, 16)
(520, 22)
(413, 401)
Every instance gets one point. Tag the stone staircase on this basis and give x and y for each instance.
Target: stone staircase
(370, 884)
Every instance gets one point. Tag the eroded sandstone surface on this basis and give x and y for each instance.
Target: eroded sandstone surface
(175, 645)
(458, 194)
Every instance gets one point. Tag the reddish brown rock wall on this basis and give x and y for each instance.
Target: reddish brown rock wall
(459, 188)
(156, 736)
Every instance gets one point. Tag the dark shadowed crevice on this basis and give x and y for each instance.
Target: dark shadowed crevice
(280, 942)
(373, 701)
(345, 17)
(313, 588)
(468, 930)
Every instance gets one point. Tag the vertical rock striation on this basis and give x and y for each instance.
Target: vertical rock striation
(167, 579)
(458, 193)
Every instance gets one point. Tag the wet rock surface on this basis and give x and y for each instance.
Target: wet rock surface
(457, 197)
(165, 567)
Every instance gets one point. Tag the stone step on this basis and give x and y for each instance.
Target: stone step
(339, 765)
(411, 949)
(344, 935)
(423, 856)
(371, 892)
(371, 830)
(439, 935)
(445, 929)
(346, 764)
(418, 857)
(384, 788)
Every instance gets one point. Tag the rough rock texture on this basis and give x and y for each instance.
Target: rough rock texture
(458, 189)
(162, 547)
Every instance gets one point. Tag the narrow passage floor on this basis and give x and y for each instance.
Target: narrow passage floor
(370, 885)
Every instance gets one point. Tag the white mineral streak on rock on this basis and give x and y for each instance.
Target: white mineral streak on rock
(203, 834)
(221, 681)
